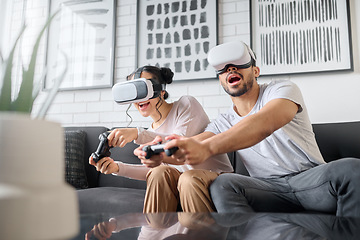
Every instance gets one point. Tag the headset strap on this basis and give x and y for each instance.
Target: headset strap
(156, 86)
(138, 72)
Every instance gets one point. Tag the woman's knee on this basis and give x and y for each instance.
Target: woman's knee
(196, 178)
(188, 179)
(161, 172)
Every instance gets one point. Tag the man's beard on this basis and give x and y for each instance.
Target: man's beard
(240, 91)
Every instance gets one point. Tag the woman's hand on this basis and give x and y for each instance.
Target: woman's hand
(121, 136)
(155, 160)
(105, 165)
(102, 230)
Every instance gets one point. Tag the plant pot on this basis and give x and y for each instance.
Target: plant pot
(35, 200)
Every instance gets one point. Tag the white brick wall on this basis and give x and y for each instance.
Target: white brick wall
(95, 107)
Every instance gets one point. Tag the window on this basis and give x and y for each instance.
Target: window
(13, 15)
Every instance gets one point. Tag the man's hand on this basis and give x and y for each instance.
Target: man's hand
(105, 165)
(190, 151)
(155, 160)
(121, 136)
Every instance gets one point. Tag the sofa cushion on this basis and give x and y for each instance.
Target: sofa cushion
(338, 140)
(74, 155)
(91, 144)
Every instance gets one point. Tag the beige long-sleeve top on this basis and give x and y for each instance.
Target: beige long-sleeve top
(186, 118)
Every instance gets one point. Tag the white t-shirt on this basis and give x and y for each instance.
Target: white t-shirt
(186, 118)
(290, 149)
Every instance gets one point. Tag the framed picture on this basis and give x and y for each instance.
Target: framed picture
(84, 30)
(301, 36)
(178, 35)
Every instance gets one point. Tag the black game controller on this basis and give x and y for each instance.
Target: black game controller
(157, 149)
(103, 150)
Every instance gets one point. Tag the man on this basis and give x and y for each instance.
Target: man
(269, 127)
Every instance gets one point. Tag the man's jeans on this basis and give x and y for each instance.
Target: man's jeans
(330, 188)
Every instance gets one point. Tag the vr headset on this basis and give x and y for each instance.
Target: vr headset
(236, 54)
(137, 90)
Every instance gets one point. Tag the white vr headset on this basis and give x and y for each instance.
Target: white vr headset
(137, 90)
(236, 54)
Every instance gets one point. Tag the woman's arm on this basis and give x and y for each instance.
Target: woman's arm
(107, 165)
(133, 171)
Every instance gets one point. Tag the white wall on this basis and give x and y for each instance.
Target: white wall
(330, 97)
(334, 97)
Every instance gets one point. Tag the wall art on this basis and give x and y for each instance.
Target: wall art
(85, 31)
(178, 35)
(301, 36)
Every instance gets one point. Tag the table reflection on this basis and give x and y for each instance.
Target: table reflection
(222, 226)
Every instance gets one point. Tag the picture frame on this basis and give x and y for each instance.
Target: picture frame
(305, 36)
(178, 35)
(83, 32)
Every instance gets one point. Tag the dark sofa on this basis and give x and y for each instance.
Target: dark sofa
(114, 194)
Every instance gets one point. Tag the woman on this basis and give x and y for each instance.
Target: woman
(166, 185)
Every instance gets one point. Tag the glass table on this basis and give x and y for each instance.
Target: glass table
(217, 226)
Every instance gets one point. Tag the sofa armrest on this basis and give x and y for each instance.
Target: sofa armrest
(91, 143)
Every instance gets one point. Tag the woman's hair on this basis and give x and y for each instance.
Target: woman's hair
(161, 75)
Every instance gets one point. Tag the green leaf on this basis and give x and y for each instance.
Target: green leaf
(5, 94)
(25, 100)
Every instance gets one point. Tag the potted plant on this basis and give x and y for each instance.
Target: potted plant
(35, 201)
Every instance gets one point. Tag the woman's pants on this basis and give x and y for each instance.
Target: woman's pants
(167, 187)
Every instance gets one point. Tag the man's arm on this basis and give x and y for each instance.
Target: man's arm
(254, 128)
(202, 136)
(248, 132)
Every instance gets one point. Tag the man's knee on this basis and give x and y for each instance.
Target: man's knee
(223, 181)
(345, 168)
(229, 183)
(350, 164)
(219, 185)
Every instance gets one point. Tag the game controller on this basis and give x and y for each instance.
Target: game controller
(156, 149)
(103, 150)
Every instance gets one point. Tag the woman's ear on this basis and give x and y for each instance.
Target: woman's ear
(162, 93)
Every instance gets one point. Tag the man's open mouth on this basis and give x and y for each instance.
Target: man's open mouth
(233, 79)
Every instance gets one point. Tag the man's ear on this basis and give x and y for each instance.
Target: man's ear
(256, 71)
